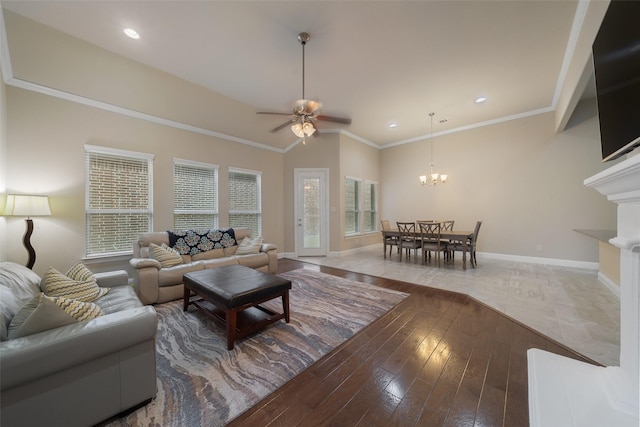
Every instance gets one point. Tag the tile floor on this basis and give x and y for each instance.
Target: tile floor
(566, 304)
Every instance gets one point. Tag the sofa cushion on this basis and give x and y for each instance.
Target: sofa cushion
(43, 313)
(157, 237)
(56, 284)
(254, 260)
(248, 246)
(173, 275)
(212, 254)
(219, 262)
(119, 298)
(18, 285)
(168, 257)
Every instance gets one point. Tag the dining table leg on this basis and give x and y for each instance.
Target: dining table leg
(464, 254)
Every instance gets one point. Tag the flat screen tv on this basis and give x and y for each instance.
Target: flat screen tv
(616, 61)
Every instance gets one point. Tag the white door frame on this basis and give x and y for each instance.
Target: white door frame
(323, 175)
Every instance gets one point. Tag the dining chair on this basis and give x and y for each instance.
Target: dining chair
(471, 245)
(389, 241)
(408, 239)
(431, 240)
(447, 226)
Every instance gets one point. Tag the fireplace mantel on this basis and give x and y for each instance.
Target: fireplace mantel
(566, 392)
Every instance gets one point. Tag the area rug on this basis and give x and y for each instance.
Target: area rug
(201, 383)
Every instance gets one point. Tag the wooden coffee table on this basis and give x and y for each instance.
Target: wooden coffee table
(231, 297)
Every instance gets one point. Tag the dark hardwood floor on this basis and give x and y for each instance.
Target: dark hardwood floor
(437, 359)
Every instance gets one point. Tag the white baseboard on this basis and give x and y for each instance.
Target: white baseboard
(487, 255)
(538, 260)
(610, 284)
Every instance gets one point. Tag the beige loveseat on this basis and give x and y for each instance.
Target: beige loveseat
(156, 284)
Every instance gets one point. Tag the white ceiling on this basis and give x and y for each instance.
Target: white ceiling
(374, 61)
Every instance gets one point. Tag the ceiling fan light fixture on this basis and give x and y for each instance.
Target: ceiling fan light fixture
(297, 130)
(308, 128)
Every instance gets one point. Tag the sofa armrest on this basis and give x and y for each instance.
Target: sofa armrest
(144, 262)
(36, 356)
(112, 279)
(266, 247)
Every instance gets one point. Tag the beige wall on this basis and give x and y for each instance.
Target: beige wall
(524, 181)
(319, 152)
(357, 160)
(520, 177)
(46, 138)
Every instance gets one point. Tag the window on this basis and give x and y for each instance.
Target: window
(195, 195)
(244, 200)
(118, 202)
(369, 206)
(352, 205)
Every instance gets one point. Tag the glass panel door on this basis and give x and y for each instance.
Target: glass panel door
(311, 212)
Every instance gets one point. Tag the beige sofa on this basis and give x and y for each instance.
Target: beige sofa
(155, 284)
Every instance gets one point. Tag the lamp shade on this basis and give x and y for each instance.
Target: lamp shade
(27, 205)
(296, 128)
(308, 128)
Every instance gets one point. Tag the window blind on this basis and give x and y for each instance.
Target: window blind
(118, 202)
(195, 195)
(351, 205)
(244, 200)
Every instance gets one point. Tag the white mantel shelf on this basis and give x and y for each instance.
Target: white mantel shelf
(569, 393)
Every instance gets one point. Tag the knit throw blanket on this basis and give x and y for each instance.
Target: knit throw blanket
(191, 242)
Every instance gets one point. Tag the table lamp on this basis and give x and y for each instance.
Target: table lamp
(27, 205)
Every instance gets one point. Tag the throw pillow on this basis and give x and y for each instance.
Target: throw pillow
(80, 272)
(43, 313)
(248, 246)
(168, 257)
(56, 284)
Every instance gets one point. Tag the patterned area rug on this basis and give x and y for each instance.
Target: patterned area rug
(201, 383)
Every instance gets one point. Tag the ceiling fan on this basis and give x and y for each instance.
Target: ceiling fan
(305, 112)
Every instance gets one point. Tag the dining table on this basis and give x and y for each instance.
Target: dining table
(464, 236)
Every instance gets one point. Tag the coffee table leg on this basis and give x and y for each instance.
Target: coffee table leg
(285, 305)
(232, 318)
(187, 295)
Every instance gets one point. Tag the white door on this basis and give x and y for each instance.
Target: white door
(311, 201)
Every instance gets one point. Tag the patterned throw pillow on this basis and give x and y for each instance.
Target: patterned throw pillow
(43, 313)
(168, 257)
(248, 246)
(80, 273)
(83, 288)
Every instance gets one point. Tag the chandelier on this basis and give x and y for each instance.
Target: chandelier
(433, 178)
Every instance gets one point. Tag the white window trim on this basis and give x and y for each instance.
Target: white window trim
(375, 224)
(359, 232)
(258, 174)
(202, 165)
(119, 153)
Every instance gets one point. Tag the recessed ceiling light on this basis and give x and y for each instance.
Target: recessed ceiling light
(393, 125)
(130, 32)
(480, 99)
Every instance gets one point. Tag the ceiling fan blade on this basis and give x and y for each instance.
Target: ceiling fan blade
(277, 114)
(282, 126)
(334, 119)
